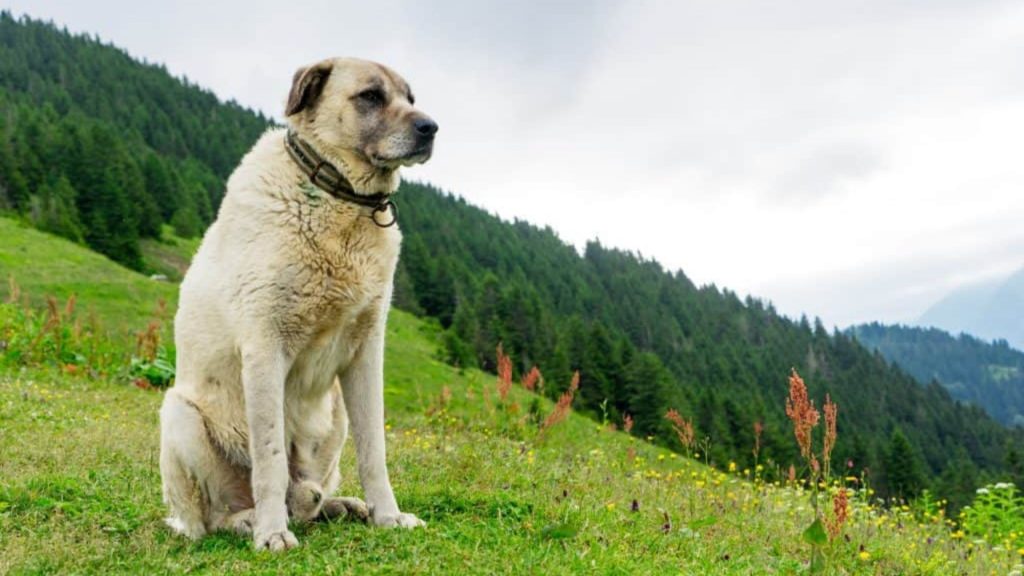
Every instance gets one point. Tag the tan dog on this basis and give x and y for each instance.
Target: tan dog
(280, 324)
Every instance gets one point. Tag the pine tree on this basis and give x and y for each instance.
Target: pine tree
(160, 186)
(1015, 465)
(53, 210)
(186, 221)
(14, 192)
(646, 384)
(902, 468)
(958, 481)
(147, 213)
(599, 369)
(404, 295)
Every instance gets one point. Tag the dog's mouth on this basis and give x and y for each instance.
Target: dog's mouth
(418, 155)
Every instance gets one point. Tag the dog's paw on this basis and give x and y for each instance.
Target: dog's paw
(241, 522)
(345, 507)
(304, 500)
(397, 520)
(276, 541)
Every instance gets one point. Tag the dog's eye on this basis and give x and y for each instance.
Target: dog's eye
(373, 96)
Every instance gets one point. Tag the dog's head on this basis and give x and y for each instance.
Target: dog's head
(362, 112)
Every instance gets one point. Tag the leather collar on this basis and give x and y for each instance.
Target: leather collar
(328, 178)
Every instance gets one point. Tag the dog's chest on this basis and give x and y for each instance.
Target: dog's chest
(346, 272)
(342, 288)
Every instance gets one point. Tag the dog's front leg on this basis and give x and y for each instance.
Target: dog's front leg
(363, 389)
(264, 370)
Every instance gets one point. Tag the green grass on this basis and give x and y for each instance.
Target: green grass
(80, 489)
(169, 256)
(42, 265)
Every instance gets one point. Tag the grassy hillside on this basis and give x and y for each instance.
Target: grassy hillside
(43, 265)
(80, 487)
(169, 255)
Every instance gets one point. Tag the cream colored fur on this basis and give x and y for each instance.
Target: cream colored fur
(280, 327)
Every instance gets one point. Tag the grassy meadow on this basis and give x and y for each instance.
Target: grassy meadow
(501, 491)
(41, 265)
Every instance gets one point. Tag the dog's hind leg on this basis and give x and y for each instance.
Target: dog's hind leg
(182, 491)
(201, 489)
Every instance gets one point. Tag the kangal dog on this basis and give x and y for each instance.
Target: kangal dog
(280, 325)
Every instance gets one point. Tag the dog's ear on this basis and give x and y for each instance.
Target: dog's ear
(307, 84)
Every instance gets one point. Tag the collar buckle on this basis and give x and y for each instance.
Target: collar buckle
(386, 206)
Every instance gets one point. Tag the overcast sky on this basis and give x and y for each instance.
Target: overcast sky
(851, 160)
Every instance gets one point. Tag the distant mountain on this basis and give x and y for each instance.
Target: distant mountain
(991, 311)
(988, 374)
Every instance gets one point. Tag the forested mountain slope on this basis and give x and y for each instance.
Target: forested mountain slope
(989, 374)
(647, 339)
(102, 150)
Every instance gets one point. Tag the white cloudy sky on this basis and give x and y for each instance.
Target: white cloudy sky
(851, 160)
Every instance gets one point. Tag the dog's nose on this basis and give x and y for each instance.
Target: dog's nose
(425, 126)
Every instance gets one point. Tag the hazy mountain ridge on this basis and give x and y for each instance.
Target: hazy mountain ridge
(988, 374)
(990, 311)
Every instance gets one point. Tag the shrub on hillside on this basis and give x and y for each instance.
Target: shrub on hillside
(997, 514)
(57, 336)
(53, 336)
